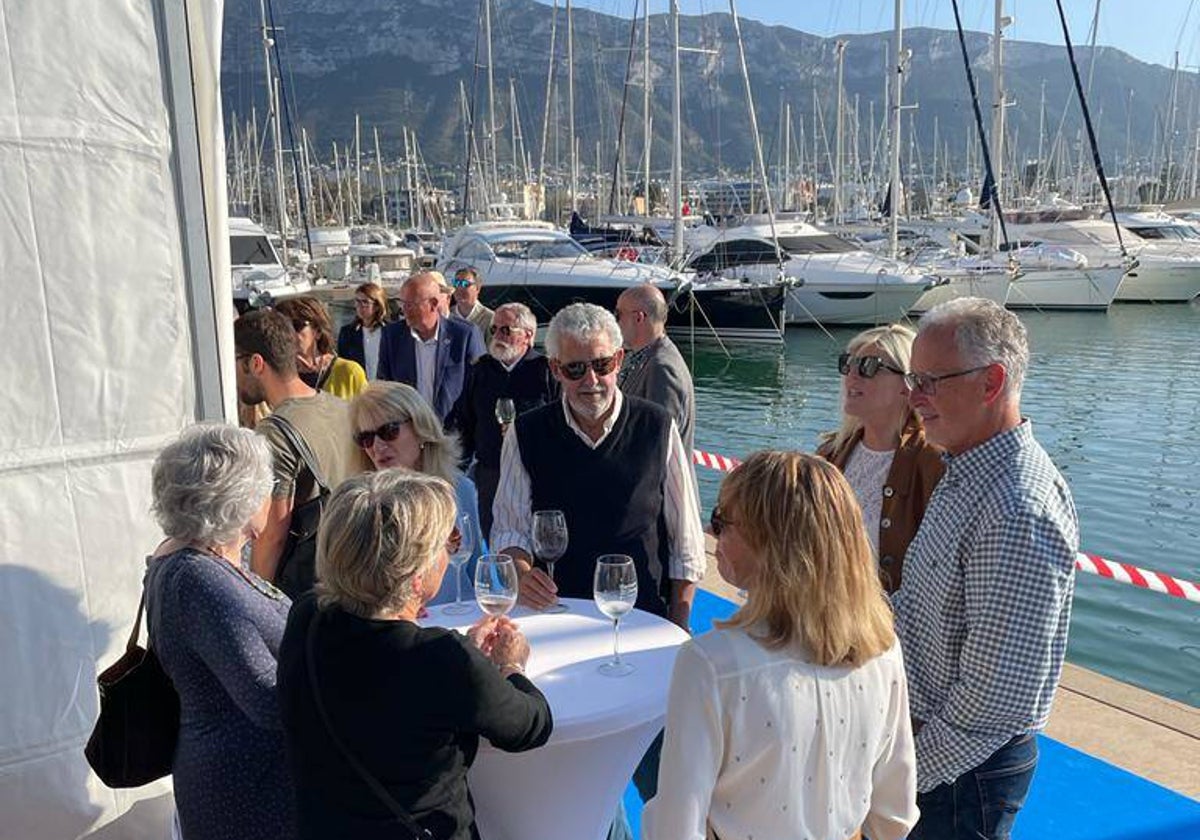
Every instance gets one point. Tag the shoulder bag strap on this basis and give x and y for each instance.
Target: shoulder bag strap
(376, 787)
(137, 624)
(300, 445)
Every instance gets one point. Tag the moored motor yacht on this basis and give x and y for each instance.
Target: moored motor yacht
(258, 274)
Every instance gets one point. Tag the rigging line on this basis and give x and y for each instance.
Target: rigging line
(987, 155)
(633, 27)
(287, 121)
(1087, 121)
(471, 122)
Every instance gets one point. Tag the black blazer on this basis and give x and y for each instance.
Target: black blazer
(350, 343)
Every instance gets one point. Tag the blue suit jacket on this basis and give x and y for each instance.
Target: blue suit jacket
(459, 344)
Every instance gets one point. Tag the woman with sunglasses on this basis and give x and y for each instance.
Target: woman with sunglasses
(319, 366)
(790, 719)
(359, 340)
(398, 430)
(881, 444)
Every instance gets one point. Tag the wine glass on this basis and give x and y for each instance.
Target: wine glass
(495, 583)
(458, 559)
(615, 593)
(550, 544)
(506, 411)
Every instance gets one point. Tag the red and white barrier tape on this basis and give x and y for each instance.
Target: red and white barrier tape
(1093, 564)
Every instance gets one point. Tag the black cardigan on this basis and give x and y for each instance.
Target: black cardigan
(410, 703)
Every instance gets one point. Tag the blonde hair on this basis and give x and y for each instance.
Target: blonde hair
(379, 532)
(817, 585)
(386, 402)
(895, 342)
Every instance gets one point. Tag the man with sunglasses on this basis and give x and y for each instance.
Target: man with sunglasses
(427, 350)
(266, 347)
(654, 369)
(467, 307)
(616, 467)
(511, 369)
(985, 600)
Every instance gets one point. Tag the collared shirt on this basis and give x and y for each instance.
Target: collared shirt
(479, 315)
(634, 359)
(513, 508)
(371, 341)
(985, 602)
(426, 355)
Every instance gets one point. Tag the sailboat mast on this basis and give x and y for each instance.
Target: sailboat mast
(646, 109)
(493, 140)
(383, 213)
(358, 211)
(894, 177)
(571, 108)
(997, 112)
(541, 178)
(268, 40)
(837, 140)
(677, 139)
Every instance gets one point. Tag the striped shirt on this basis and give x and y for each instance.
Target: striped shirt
(512, 511)
(985, 602)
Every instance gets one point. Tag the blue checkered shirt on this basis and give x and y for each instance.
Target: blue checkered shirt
(983, 609)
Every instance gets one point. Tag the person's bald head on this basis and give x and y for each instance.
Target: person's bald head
(642, 315)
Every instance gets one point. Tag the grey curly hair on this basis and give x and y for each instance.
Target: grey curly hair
(581, 321)
(985, 333)
(209, 483)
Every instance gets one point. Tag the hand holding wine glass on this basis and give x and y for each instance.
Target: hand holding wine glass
(460, 547)
(509, 647)
(550, 543)
(615, 592)
(496, 583)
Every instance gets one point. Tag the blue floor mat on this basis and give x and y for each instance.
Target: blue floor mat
(1074, 796)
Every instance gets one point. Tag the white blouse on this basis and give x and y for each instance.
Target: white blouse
(371, 342)
(866, 471)
(762, 744)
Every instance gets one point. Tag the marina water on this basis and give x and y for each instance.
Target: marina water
(1114, 398)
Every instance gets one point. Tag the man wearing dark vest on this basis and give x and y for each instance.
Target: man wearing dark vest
(617, 468)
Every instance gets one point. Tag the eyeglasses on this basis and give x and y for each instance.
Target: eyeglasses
(868, 366)
(363, 302)
(575, 371)
(926, 383)
(505, 329)
(388, 432)
(462, 282)
(415, 304)
(718, 523)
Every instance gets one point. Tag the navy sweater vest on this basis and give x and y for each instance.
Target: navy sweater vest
(612, 496)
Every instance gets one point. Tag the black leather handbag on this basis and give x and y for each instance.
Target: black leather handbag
(134, 740)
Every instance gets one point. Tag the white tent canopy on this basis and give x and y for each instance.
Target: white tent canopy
(115, 317)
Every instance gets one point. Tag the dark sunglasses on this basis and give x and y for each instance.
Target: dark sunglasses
(388, 432)
(868, 366)
(505, 329)
(462, 282)
(718, 523)
(577, 370)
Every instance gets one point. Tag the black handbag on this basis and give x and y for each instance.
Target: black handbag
(297, 569)
(133, 742)
(410, 825)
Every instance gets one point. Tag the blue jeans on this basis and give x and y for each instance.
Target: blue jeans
(981, 804)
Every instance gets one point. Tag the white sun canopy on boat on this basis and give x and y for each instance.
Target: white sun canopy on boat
(116, 336)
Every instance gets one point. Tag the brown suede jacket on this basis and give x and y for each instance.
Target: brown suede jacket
(915, 471)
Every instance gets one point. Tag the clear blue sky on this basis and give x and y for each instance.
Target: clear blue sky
(1151, 30)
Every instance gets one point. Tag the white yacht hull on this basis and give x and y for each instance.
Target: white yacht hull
(993, 285)
(851, 303)
(1161, 282)
(1085, 288)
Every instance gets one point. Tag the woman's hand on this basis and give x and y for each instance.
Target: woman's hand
(509, 647)
(481, 632)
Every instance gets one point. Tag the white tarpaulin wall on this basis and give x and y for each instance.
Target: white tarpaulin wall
(111, 227)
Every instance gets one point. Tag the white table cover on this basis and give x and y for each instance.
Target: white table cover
(602, 725)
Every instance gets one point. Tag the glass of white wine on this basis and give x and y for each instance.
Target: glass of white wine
(460, 552)
(615, 592)
(506, 411)
(495, 583)
(550, 544)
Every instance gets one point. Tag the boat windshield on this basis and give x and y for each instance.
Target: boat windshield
(824, 243)
(251, 250)
(539, 249)
(1169, 233)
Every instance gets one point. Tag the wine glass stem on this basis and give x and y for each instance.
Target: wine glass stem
(458, 570)
(617, 642)
(550, 569)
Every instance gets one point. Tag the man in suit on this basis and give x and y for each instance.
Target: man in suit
(429, 351)
(512, 369)
(654, 369)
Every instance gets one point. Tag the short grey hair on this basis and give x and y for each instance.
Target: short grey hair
(581, 322)
(985, 333)
(379, 532)
(208, 483)
(524, 315)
